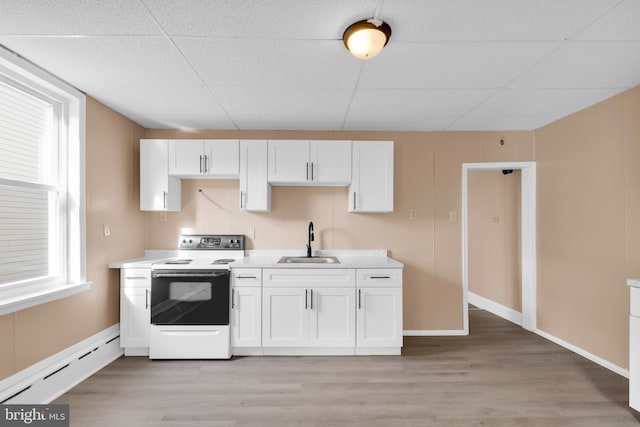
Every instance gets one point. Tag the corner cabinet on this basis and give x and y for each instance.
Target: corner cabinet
(255, 191)
(371, 188)
(204, 158)
(302, 162)
(135, 315)
(158, 190)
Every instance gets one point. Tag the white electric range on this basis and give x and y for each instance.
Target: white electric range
(190, 298)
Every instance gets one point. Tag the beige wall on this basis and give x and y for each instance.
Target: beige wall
(589, 226)
(112, 154)
(427, 178)
(494, 237)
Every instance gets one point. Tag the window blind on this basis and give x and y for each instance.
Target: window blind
(27, 186)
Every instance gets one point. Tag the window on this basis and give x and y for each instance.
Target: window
(41, 186)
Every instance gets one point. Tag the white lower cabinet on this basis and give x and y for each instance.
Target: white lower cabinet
(135, 315)
(285, 318)
(332, 321)
(634, 349)
(379, 319)
(246, 317)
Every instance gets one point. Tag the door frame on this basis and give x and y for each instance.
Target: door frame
(527, 237)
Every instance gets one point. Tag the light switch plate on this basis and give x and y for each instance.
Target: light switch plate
(106, 229)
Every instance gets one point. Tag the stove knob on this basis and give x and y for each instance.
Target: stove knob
(190, 241)
(184, 241)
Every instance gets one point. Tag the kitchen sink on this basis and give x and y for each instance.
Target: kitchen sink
(308, 260)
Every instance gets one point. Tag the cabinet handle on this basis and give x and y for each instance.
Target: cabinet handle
(241, 197)
(307, 171)
(379, 277)
(135, 277)
(206, 164)
(354, 200)
(311, 300)
(306, 291)
(233, 305)
(164, 200)
(359, 299)
(146, 298)
(311, 171)
(245, 277)
(201, 163)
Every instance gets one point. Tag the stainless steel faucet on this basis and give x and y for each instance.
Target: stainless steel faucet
(310, 238)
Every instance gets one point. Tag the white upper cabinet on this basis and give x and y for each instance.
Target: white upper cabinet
(158, 190)
(255, 191)
(371, 188)
(198, 158)
(303, 162)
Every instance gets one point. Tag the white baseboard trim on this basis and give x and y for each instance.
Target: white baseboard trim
(493, 307)
(434, 333)
(604, 363)
(48, 379)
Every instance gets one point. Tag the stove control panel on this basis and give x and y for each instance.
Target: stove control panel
(211, 241)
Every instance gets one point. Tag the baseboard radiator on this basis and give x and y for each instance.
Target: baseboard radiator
(48, 379)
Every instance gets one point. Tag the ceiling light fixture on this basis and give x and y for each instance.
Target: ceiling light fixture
(365, 39)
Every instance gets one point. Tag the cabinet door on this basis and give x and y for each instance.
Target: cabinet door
(222, 158)
(158, 190)
(330, 162)
(255, 191)
(371, 188)
(186, 157)
(332, 317)
(135, 317)
(379, 317)
(246, 320)
(289, 162)
(284, 317)
(634, 362)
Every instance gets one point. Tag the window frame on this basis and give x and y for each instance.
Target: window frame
(70, 110)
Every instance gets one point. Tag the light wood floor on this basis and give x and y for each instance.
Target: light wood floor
(498, 376)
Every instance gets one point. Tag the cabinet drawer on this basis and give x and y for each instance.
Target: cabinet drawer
(635, 302)
(135, 277)
(379, 277)
(311, 277)
(246, 277)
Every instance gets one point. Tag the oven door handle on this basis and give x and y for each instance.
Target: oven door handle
(190, 274)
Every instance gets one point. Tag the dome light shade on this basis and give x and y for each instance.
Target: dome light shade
(365, 39)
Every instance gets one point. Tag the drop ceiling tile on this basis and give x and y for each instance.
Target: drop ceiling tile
(72, 17)
(288, 122)
(244, 101)
(159, 100)
(621, 23)
(274, 19)
(541, 102)
(487, 20)
(586, 64)
(501, 123)
(281, 63)
(416, 102)
(201, 120)
(398, 123)
(451, 65)
(88, 61)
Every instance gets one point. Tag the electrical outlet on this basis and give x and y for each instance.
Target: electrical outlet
(496, 219)
(106, 230)
(413, 214)
(163, 217)
(453, 216)
(251, 232)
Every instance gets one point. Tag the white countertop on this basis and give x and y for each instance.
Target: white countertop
(269, 259)
(348, 259)
(634, 282)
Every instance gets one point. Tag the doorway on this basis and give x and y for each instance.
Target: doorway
(527, 236)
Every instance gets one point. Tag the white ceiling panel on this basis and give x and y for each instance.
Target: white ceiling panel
(501, 123)
(183, 121)
(73, 17)
(399, 123)
(451, 65)
(288, 122)
(273, 19)
(283, 101)
(489, 20)
(416, 102)
(541, 102)
(621, 23)
(586, 65)
(86, 61)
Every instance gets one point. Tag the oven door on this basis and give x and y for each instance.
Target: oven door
(190, 297)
